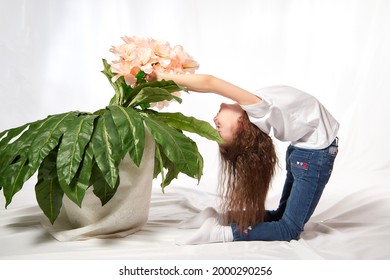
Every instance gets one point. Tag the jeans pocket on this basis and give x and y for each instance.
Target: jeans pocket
(300, 162)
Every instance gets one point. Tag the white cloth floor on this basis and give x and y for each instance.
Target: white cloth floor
(336, 50)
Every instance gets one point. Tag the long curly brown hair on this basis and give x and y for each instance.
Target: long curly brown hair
(247, 167)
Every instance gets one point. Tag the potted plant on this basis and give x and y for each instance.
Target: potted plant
(76, 153)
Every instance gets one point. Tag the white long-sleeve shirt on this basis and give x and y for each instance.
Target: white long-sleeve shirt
(294, 116)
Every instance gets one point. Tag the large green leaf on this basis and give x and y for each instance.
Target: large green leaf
(162, 163)
(75, 191)
(48, 191)
(158, 163)
(13, 178)
(14, 161)
(100, 186)
(48, 136)
(107, 148)
(151, 95)
(81, 182)
(23, 157)
(190, 124)
(177, 147)
(11, 153)
(200, 161)
(165, 86)
(131, 131)
(71, 151)
(7, 135)
(169, 86)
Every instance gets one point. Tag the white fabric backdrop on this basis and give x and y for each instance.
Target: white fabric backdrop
(337, 50)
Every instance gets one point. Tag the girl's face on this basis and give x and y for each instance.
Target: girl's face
(226, 120)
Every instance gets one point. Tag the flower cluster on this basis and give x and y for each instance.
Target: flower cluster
(148, 55)
(140, 54)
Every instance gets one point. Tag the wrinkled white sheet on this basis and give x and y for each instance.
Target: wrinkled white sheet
(352, 221)
(336, 50)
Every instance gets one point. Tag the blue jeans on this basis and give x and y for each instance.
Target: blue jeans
(308, 171)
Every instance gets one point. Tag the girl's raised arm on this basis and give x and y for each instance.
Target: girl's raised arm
(209, 83)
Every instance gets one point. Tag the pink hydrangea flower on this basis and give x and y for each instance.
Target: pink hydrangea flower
(148, 55)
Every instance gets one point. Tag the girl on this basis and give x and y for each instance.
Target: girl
(248, 160)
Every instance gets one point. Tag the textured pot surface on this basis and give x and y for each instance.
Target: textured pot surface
(124, 214)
